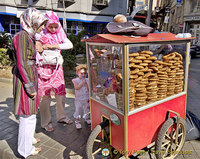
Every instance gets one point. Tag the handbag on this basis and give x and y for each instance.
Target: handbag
(131, 27)
(50, 57)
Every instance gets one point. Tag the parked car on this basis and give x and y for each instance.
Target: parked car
(194, 50)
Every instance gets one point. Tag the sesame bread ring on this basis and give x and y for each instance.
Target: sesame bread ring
(159, 62)
(140, 85)
(153, 75)
(153, 64)
(147, 74)
(143, 64)
(177, 63)
(140, 73)
(140, 94)
(140, 78)
(141, 98)
(134, 54)
(154, 69)
(162, 90)
(152, 83)
(147, 61)
(169, 56)
(130, 59)
(153, 79)
(134, 71)
(136, 66)
(162, 76)
(180, 66)
(133, 76)
(152, 97)
(180, 70)
(179, 73)
(144, 69)
(140, 58)
(172, 61)
(179, 55)
(161, 73)
(152, 58)
(136, 61)
(147, 52)
(181, 77)
(140, 89)
(160, 66)
(145, 55)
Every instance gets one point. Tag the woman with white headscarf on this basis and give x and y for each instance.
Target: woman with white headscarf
(25, 87)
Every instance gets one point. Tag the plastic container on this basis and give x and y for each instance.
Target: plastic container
(183, 35)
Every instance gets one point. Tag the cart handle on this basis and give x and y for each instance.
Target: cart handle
(178, 121)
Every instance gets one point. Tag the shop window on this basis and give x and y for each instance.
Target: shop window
(100, 4)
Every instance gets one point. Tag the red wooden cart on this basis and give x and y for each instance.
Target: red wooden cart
(126, 113)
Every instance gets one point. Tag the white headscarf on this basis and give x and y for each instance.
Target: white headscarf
(30, 17)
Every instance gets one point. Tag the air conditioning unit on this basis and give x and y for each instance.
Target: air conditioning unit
(100, 4)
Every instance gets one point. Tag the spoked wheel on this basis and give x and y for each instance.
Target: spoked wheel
(166, 146)
(97, 147)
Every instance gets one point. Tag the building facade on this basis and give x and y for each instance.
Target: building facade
(89, 15)
(192, 19)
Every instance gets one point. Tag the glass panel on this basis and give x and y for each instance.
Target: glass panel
(106, 74)
(155, 72)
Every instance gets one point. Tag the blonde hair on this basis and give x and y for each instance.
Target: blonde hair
(81, 66)
(119, 18)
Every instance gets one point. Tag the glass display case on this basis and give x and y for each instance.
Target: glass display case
(155, 70)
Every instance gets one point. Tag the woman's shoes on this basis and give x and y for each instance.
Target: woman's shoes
(66, 121)
(35, 141)
(36, 151)
(49, 127)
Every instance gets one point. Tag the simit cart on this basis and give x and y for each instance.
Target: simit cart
(138, 92)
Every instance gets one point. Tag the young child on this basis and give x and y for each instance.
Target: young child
(81, 96)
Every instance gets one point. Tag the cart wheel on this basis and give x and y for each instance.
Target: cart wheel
(95, 144)
(166, 147)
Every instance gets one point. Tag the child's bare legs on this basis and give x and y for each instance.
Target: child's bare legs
(77, 114)
(86, 111)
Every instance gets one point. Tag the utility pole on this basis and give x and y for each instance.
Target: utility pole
(149, 12)
(64, 18)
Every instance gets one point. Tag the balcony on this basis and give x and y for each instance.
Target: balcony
(100, 4)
